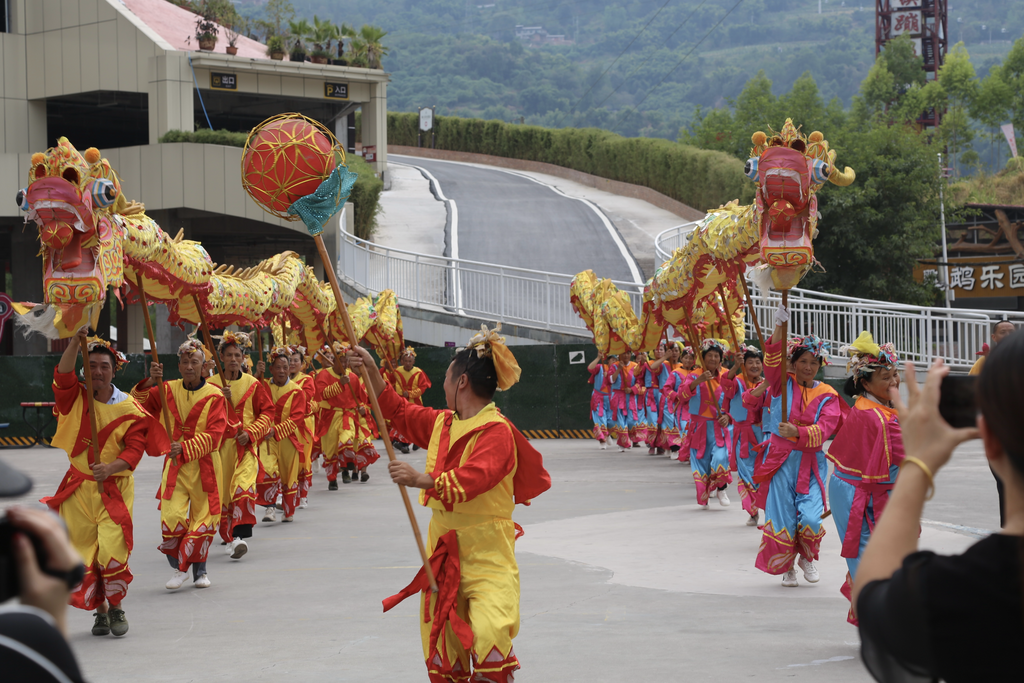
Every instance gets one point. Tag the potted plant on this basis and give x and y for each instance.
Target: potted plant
(298, 30)
(323, 33)
(206, 28)
(275, 47)
(234, 32)
(344, 31)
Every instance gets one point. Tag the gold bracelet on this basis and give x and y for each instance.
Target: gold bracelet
(928, 473)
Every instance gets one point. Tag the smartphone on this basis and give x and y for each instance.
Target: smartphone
(957, 403)
(10, 585)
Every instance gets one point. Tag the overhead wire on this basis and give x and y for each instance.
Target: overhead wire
(686, 56)
(598, 79)
(654, 52)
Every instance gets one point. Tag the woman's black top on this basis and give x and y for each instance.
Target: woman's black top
(953, 618)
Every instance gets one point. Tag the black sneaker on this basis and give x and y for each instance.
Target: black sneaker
(364, 477)
(404, 448)
(345, 478)
(101, 627)
(415, 447)
(332, 486)
(118, 623)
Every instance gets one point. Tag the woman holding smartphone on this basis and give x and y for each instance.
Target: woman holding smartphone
(959, 618)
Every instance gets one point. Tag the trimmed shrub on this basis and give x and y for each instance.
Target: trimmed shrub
(365, 193)
(703, 179)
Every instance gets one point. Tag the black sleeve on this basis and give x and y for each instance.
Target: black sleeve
(31, 649)
(893, 616)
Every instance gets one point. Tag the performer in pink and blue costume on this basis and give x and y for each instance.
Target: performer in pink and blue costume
(600, 399)
(638, 400)
(867, 451)
(686, 361)
(623, 416)
(795, 468)
(746, 425)
(709, 431)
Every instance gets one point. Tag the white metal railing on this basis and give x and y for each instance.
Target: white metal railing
(919, 333)
(518, 296)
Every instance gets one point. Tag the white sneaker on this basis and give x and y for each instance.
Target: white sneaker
(230, 548)
(280, 505)
(702, 506)
(176, 581)
(723, 499)
(604, 446)
(810, 571)
(238, 548)
(289, 519)
(270, 515)
(712, 494)
(789, 579)
(621, 449)
(303, 503)
(752, 521)
(202, 582)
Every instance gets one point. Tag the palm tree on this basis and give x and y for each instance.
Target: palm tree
(344, 31)
(299, 30)
(371, 45)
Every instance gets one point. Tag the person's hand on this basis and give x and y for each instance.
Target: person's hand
(344, 378)
(404, 474)
(759, 389)
(723, 420)
(704, 377)
(37, 588)
(102, 470)
(362, 411)
(227, 392)
(260, 367)
(925, 434)
(242, 438)
(176, 450)
(83, 333)
(358, 357)
(781, 315)
(788, 430)
(271, 434)
(156, 374)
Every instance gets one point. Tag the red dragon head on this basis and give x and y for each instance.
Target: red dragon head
(789, 169)
(73, 199)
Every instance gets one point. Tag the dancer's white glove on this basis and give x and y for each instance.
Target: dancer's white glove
(781, 315)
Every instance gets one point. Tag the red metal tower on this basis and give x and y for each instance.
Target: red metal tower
(926, 23)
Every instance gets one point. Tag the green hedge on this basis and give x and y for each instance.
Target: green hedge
(365, 194)
(703, 179)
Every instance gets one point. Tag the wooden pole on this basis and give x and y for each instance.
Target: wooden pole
(753, 312)
(785, 345)
(381, 422)
(209, 341)
(94, 446)
(259, 342)
(154, 353)
(728, 319)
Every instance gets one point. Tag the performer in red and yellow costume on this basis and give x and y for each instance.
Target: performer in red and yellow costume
(478, 467)
(340, 396)
(189, 499)
(288, 431)
(249, 414)
(296, 371)
(409, 382)
(95, 498)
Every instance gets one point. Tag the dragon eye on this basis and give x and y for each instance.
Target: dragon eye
(103, 193)
(22, 199)
(750, 169)
(820, 171)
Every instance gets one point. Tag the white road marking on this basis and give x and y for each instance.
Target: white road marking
(817, 662)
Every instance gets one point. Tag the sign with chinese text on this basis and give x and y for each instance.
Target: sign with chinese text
(370, 153)
(336, 91)
(978, 276)
(223, 81)
(909, 23)
(426, 118)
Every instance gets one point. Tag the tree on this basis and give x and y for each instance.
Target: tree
(276, 14)
(368, 45)
(874, 231)
(1012, 74)
(991, 107)
(955, 91)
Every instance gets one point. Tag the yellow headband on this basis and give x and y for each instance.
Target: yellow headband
(489, 344)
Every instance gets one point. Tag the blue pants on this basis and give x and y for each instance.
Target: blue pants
(792, 520)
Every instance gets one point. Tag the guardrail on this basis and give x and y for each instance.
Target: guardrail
(501, 293)
(919, 333)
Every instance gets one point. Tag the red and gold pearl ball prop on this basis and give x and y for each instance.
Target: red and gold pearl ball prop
(287, 157)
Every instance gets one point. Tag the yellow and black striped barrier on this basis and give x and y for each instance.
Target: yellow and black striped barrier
(558, 433)
(19, 441)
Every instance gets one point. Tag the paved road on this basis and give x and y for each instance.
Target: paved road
(623, 578)
(511, 220)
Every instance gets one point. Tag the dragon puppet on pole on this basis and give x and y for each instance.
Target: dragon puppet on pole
(700, 290)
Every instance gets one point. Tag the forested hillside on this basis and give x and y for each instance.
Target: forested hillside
(464, 57)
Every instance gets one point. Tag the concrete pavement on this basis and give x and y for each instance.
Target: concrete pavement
(623, 578)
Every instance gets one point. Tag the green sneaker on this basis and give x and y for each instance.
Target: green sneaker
(101, 627)
(118, 624)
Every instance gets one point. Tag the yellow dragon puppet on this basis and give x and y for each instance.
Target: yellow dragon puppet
(699, 291)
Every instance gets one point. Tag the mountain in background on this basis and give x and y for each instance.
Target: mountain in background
(593, 62)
